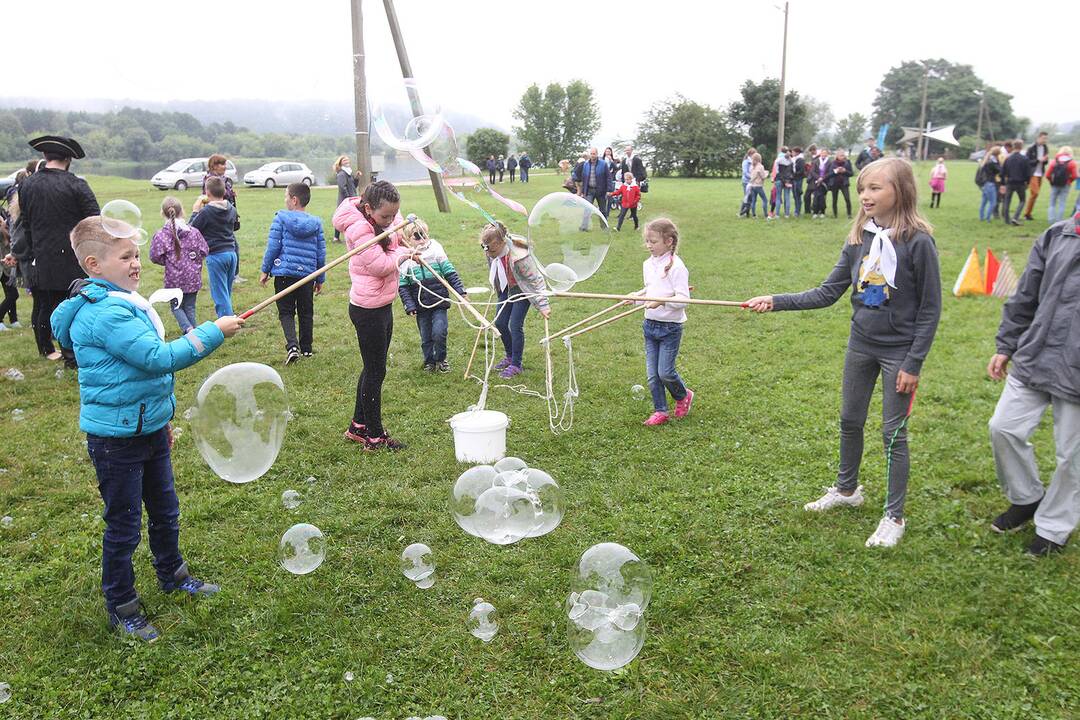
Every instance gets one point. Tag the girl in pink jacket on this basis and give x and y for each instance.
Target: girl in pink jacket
(374, 274)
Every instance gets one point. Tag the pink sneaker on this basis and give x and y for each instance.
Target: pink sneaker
(510, 371)
(682, 407)
(657, 418)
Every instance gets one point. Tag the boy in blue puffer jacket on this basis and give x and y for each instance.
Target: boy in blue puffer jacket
(425, 297)
(126, 404)
(294, 250)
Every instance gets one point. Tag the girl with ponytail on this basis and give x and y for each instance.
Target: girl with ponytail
(182, 250)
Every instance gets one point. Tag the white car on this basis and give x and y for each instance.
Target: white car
(280, 173)
(188, 172)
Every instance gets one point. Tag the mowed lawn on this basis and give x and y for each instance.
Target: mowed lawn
(759, 610)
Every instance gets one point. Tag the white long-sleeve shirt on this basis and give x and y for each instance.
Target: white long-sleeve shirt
(675, 283)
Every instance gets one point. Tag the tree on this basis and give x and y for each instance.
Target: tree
(850, 130)
(558, 122)
(821, 120)
(484, 142)
(693, 140)
(951, 98)
(757, 112)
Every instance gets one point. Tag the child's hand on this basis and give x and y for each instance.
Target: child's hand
(229, 325)
(545, 312)
(263, 277)
(9, 260)
(906, 383)
(998, 364)
(652, 304)
(318, 288)
(761, 303)
(169, 435)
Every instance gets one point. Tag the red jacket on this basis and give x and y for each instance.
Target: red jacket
(630, 195)
(1070, 164)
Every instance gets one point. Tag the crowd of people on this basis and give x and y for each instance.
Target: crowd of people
(1008, 171)
(498, 165)
(801, 181)
(608, 182)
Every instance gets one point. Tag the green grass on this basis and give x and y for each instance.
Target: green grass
(759, 609)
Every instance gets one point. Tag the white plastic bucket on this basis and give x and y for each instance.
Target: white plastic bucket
(479, 435)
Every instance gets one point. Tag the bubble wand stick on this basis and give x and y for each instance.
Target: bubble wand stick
(579, 323)
(646, 298)
(332, 264)
(603, 322)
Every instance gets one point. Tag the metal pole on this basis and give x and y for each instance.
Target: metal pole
(922, 113)
(414, 98)
(783, 78)
(363, 146)
(978, 128)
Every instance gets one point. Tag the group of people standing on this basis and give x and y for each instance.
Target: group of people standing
(509, 165)
(609, 182)
(800, 177)
(1008, 170)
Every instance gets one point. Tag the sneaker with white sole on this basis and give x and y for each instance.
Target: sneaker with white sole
(888, 533)
(833, 497)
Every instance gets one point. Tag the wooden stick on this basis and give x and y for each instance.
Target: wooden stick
(579, 323)
(332, 264)
(476, 343)
(611, 319)
(547, 356)
(648, 298)
(484, 324)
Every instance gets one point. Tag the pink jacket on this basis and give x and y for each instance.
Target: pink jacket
(374, 271)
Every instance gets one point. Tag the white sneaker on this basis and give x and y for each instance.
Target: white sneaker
(833, 497)
(888, 533)
(3, 327)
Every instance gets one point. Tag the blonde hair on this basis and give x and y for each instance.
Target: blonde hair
(667, 230)
(414, 228)
(90, 237)
(1065, 150)
(906, 220)
(497, 232)
(171, 209)
(995, 151)
(338, 162)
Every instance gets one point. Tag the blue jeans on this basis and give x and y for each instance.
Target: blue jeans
(1058, 196)
(131, 472)
(785, 193)
(989, 201)
(221, 270)
(510, 321)
(661, 348)
(755, 191)
(433, 327)
(524, 174)
(184, 311)
(797, 191)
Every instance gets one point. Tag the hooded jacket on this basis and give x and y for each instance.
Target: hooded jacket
(374, 271)
(216, 222)
(419, 289)
(295, 246)
(183, 270)
(125, 367)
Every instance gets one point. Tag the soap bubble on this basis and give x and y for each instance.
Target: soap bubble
(123, 219)
(547, 498)
(302, 549)
(418, 565)
(239, 420)
(6, 521)
(469, 184)
(349, 677)
(469, 486)
(407, 116)
(389, 678)
(504, 515)
(483, 620)
(18, 415)
(290, 499)
(14, 374)
(609, 594)
(510, 463)
(441, 154)
(637, 392)
(5, 692)
(310, 480)
(568, 234)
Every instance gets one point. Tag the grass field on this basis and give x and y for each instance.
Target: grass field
(759, 610)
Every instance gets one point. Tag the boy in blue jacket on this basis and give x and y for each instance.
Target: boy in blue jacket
(294, 250)
(126, 404)
(426, 297)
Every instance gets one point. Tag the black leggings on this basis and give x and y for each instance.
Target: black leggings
(843, 189)
(11, 296)
(45, 301)
(374, 327)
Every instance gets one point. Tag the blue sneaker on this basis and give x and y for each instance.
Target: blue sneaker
(183, 580)
(130, 619)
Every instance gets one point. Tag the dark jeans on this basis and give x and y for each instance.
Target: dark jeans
(491, 176)
(45, 302)
(847, 199)
(633, 216)
(600, 198)
(510, 321)
(298, 304)
(8, 307)
(662, 341)
(1020, 192)
(501, 175)
(797, 191)
(374, 327)
(525, 175)
(433, 326)
(511, 171)
(184, 312)
(132, 472)
(808, 198)
(750, 204)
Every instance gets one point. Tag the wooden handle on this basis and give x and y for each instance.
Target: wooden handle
(484, 323)
(611, 319)
(579, 323)
(649, 298)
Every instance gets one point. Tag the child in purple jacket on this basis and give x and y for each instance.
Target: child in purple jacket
(181, 249)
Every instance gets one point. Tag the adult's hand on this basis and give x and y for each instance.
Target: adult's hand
(997, 367)
(761, 303)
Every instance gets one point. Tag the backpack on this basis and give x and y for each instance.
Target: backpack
(1059, 176)
(980, 176)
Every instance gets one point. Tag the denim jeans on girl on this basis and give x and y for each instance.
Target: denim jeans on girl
(131, 472)
(184, 311)
(221, 270)
(662, 341)
(433, 326)
(755, 192)
(989, 200)
(1058, 196)
(510, 321)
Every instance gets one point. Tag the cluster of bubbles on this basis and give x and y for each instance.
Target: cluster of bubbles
(606, 606)
(239, 420)
(483, 621)
(506, 502)
(302, 549)
(123, 219)
(418, 565)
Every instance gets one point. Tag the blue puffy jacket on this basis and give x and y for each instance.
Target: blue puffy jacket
(296, 240)
(125, 368)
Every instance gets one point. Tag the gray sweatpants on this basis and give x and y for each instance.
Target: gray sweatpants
(1017, 415)
(861, 371)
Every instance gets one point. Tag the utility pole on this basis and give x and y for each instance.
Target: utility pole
(922, 114)
(360, 117)
(978, 124)
(414, 97)
(783, 78)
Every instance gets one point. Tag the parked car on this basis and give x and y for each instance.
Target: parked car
(185, 173)
(978, 155)
(280, 173)
(7, 182)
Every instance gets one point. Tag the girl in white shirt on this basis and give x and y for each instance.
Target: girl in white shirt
(665, 276)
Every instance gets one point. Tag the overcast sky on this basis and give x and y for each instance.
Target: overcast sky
(480, 55)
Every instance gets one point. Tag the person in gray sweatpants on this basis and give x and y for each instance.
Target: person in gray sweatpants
(1040, 335)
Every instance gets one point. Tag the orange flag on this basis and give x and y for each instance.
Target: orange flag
(990, 271)
(970, 281)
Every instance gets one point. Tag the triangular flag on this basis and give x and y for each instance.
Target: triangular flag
(970, 281)
(1005, 286)
(990, 271)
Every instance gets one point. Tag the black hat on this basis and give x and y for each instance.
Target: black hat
(58, 145)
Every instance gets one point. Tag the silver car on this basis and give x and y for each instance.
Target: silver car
(280, 173)
(185, 173)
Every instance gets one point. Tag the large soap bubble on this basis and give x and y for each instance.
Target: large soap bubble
(407, 117)
(418, 565)
(547, 497)
(483, 621)
(506, 502)
(510, 463)
(468, 183)
(469, 486)
(123, 219)
(569, 237)
(441, 154)
(302, 549)
(239, 420)
(605, 609)
(504, 515)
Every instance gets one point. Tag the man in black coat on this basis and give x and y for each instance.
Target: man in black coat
(525, 162)
(1037, 156)
(52, 201)
(867, 155)
(1016, 173)
(632, 164)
